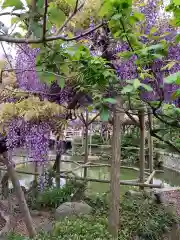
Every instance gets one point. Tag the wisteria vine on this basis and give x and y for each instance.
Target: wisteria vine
(35, 135)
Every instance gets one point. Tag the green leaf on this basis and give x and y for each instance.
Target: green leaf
(147, 87)
(125, 54)
(178, 80)
(172, 78)
(61, 82)
(176, 94)
(36, 29)
(178, 38)
(64, 68)
(109, 100)
(136, 83)
(45, 77)
(57, 16)
(104, 114)
(90, 108)
(157, 56)
(116, 16)
(127, 89)
(14, 20)
(176, 2)
(105, 9)
(139, 16)
(17, 4)
(153, 30)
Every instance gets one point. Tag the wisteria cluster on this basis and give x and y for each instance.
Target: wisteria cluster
(127, 69)
(25, 69)
(33, 137)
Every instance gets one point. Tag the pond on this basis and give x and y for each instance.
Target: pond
(169, 177)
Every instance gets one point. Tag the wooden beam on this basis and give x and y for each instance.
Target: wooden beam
(150, 177)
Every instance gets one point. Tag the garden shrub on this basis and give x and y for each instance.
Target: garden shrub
(140, 217)
(53, 197)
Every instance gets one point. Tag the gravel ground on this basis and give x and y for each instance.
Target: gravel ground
(172, 198)
(2, 223)
(17, 222)
(38, 221)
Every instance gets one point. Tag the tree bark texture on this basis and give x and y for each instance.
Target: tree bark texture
(150, 143)
(4, 184)
(142, 147)
(86, 145)
(20, 196)
(114, 219)
(58, 167)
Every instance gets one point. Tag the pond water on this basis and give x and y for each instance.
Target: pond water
(169, 177)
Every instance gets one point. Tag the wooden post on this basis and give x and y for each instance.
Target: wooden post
(150, 143)
(58, 167)
(86, 144)
(115, 169)
(36, 171)
(142, 146)
(90, 141)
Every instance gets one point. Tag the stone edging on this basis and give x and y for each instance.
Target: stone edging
(170, 160)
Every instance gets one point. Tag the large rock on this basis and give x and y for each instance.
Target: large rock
(71, 209)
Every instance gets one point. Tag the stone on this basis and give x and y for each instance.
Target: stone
(72, 208)
(134, 193)
(46, 227)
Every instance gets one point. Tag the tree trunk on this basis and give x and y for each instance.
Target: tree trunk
(20, 197)
(58, 162)
(142, 147)
(118, 117)
(36, 171)
(150, 143)
(86, 145)
(4, 184)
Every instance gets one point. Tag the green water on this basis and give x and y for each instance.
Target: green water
(95, 172)
(170, 178)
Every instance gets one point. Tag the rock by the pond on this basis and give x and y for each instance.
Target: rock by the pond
(71, 209)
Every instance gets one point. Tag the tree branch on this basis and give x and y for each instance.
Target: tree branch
(174, 123)
(10, 64)
(93, 119)
(136, 123)
(49, 39)
(10, 13)
(76, 9)
(31, 19)
(152, 132)
(45, 19)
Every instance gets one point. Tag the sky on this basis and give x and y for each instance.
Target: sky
(7, 21)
